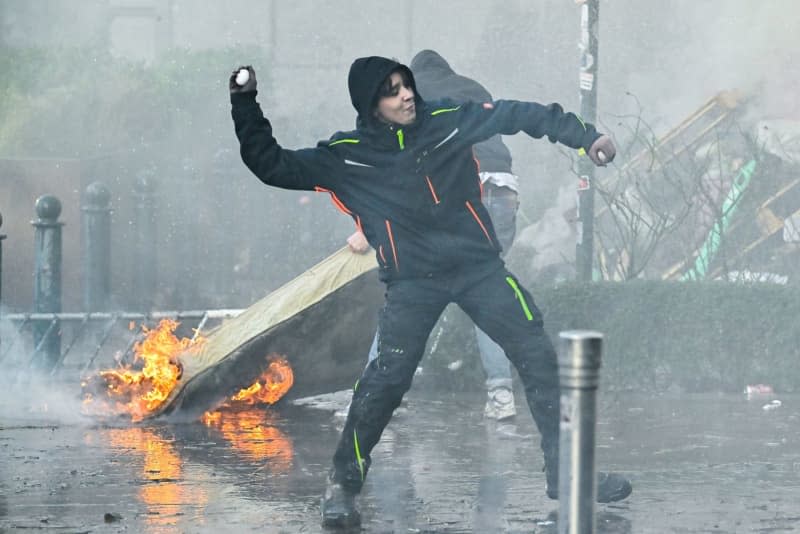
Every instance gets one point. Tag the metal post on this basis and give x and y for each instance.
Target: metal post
(144, 280)
(47, 280)
(96, 248)
(579, 365)
(584, 249)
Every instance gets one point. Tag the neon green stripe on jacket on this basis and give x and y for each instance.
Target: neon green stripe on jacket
(444, 110)
(354, 141)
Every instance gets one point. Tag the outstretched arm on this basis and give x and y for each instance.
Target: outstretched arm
(508, 117)
(272, 164)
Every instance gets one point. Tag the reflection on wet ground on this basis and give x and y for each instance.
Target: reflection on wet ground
(699, 463)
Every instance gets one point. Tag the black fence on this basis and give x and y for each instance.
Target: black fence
(51, 341)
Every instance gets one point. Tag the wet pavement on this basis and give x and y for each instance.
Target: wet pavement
(699, 463)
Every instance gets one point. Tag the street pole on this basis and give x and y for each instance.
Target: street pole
(588, 95)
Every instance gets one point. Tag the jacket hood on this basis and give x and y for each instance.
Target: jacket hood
(364, 81)
(431, 63)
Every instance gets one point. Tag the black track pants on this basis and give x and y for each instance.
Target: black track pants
(498, 305)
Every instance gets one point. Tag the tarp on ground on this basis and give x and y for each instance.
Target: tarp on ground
(322, 322)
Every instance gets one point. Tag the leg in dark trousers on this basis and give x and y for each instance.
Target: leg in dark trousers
(411, 309)
(502, 308)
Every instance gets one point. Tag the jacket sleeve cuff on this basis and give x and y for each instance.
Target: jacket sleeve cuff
(590, 139)
(243, 98)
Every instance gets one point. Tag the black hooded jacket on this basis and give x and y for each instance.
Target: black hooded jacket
(436, 80)
(413, 190)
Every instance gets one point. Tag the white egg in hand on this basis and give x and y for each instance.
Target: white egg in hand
(243, 77)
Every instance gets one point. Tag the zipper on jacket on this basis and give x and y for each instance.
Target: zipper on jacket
(401, 139)
(433, 191)
(391, 242)
(380, 252)
(480, 223)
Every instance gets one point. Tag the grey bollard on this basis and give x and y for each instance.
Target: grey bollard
(578, 369)
(47, 280)
(96, 248)
(145, 234)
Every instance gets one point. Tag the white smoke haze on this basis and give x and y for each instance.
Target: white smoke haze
(224, 239)
(137, 89)
(32, 396)
(672, 56)
(36, 398)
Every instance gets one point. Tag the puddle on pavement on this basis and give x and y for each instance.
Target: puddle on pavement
(699, 463)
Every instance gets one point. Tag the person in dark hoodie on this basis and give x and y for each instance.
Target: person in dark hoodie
(407, 177)
(435, 79)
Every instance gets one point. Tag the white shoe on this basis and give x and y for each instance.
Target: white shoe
(500, 404)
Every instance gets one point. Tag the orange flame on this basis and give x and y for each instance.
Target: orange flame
(140, 391)
(141, 388)
(270, 386)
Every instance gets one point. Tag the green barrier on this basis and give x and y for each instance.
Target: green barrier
(708, 250)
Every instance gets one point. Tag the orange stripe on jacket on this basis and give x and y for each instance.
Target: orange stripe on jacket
(433, 191)
(391, 241)
(478, 219)
(336, 201)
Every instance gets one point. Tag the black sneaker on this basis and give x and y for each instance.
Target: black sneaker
(339, 507)
(611, 487)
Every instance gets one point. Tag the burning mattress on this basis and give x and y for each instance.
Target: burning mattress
(322, 323)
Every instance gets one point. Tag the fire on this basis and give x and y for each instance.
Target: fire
(140, 388)
(270, 386)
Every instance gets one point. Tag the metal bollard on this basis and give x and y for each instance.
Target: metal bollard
(47, 280)
(578, 364)
(96, 248)
(144, 280)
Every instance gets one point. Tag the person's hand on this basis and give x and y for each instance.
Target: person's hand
(358, 243)
(247, 87)
(602, 151)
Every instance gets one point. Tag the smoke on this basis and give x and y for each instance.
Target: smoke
(547, 247)
(28, 393)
